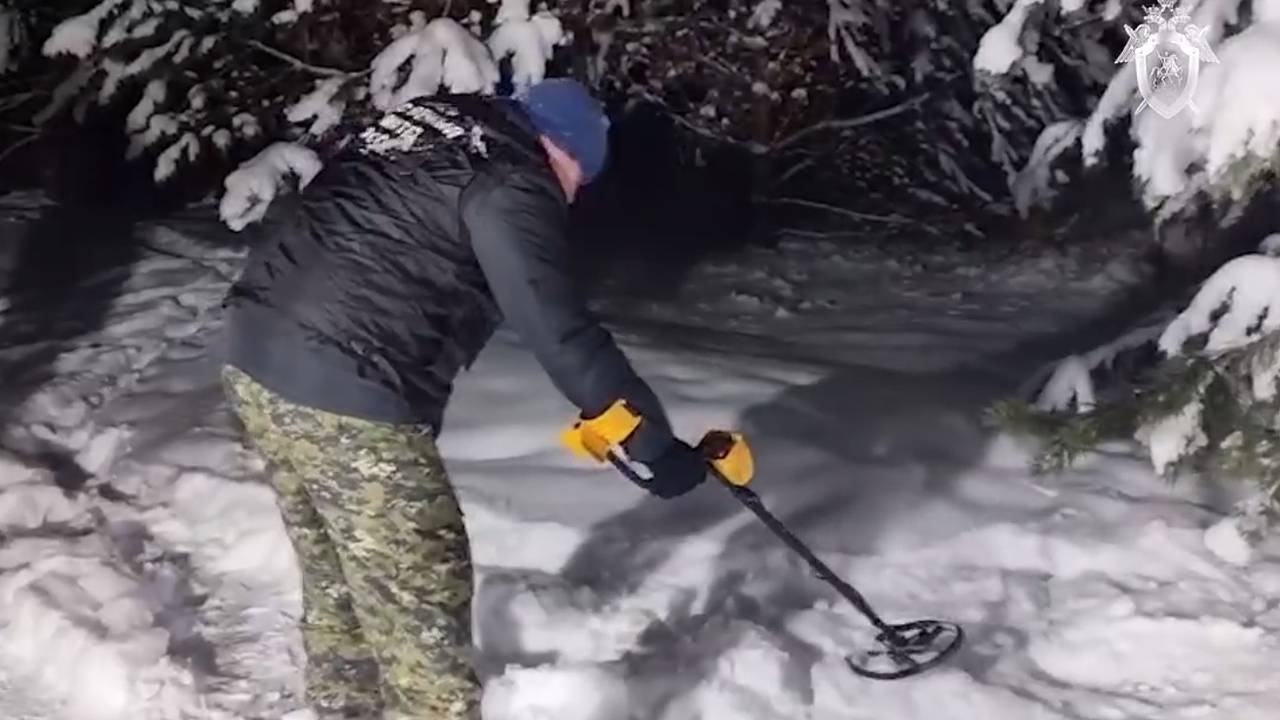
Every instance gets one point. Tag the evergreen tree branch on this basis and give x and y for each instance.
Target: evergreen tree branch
(1241, 430)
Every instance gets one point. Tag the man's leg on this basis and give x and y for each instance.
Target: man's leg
(341, 672)
(400, 536)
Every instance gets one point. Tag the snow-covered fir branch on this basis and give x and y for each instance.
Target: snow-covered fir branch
(1209, 397)
(225, 76)
(1224, 150)
(798, 81)
(759, 75)
(787, 81)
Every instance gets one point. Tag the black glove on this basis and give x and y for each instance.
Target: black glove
(676, 471)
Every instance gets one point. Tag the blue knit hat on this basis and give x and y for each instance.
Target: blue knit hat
(564, 111)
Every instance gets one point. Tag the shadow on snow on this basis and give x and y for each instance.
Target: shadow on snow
(889, 445)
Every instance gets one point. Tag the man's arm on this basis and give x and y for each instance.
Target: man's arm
(518, 231)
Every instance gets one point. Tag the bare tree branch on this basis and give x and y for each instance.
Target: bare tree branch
(836, 209)
(8, 102)
(697, 129)
(18, 127)
(18, 145)
(318, 70)
(795, 169)
(847, 123)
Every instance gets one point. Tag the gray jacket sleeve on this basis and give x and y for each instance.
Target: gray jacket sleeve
(518, 231)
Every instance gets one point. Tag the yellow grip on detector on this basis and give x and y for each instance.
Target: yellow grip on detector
(593, 438)
(728, 454)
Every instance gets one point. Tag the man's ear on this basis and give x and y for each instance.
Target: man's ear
(559, 154)
(566, 167)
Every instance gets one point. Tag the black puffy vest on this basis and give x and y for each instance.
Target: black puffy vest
(366, 299)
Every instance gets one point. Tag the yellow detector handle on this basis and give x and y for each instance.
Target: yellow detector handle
(594, 438)
(728, 454)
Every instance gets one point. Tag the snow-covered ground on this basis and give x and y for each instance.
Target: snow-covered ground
(165, 588)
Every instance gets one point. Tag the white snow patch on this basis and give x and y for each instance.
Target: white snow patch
(233, 526)
(101, 451)
(1266, 11)
(529, 41)
(623, 5)
(1114, 101)
(159, 127)
(1001, 47)
(1038, 71)
(84, 631)
(509, 10)
(78, 35)
(555, 692)
(285, 17)
(441, 54)
(1154, 550)
(186, 148)
(153, 95)
(29, 506)
(198, 97)
(221, 137)
(320, 105)
(1265, 375)
(844, 17)
(1225, 540)
(1171, 438)
(1069, 386)
(140, 64)
(1242, 97)
(839, 697)
(1116, 653)
(573, 622)
(118, 29)
(1034, 183)
(1239, 119)
(763, 13)
(146, 28)
(113, 73)
(614, 605)
(752, 680)
(246, 125)
(1249, 288)
(250, 189)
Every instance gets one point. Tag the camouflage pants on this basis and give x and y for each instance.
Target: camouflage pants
(386, 570)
